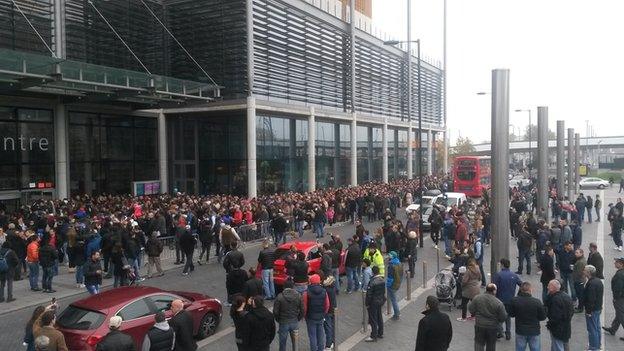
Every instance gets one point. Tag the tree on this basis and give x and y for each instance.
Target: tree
(533, 132)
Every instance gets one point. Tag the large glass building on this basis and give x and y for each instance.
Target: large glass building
(205, 96)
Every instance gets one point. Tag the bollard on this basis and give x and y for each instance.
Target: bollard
(335, 323)
(438, 258)
(424, 281)
(364, 324)
(409, 286)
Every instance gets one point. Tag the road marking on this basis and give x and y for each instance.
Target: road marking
(356, 338)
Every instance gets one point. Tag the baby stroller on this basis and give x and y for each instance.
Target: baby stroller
(445, 287)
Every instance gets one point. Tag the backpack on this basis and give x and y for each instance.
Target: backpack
(4, 265)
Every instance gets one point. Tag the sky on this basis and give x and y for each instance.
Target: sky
(564, 54)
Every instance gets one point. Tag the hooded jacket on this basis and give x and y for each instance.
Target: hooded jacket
(288, 307)
(159, 338)
(393, 280)
(260, 329)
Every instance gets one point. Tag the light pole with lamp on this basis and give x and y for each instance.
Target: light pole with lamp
(409, 108)
(530, 150)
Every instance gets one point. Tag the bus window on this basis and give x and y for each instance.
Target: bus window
(466, 175)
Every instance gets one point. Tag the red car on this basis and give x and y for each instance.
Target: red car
(309, 249)
(84, 323)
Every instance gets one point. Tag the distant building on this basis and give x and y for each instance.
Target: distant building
(365, 7)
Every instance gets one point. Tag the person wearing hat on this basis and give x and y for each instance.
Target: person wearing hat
(393, 282)
(115, 340)
(617, 288)
(160, 337)
(434, 329)
(315, 307)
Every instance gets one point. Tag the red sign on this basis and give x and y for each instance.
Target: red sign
(40, 185)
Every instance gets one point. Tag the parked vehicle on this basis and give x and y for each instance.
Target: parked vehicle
(593, 183)
(85, 322)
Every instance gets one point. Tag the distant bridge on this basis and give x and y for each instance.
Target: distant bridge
(591, 143)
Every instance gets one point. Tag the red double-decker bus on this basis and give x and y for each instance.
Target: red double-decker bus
(471, 174)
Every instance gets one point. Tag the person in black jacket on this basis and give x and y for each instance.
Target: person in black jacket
(280, 226)
(79, 260)
(592, 301)
(259, 329)
(187, 245)
(182, 325)
(375, 299)
(434, 329)
(299, 268)
(233, 259)
(528, 312)
(153, 248)
(353, 261)
(253, 285)
(115, 340)
(206, 236)
(266, 259)
(93, 273)
(547, 265)
(559, 309)
(6, 277)
(326, 259)
(160, 337)
(235, 282)
(47, 257)
(595, 259)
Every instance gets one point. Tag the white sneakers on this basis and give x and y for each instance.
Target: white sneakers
(618, 248)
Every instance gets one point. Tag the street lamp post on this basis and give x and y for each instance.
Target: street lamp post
(530, 150)
(420, 167)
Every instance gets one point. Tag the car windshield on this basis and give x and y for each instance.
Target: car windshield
(79, 318)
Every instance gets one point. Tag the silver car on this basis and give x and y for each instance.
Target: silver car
(593, 183)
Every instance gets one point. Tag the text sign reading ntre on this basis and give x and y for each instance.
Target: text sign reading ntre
(25, 143)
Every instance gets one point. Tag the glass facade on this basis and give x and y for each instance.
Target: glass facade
(108, 152)
(363, 154)
(402, 153)
(27, 149)
(392, 156)
(207, 154)
(377, 152)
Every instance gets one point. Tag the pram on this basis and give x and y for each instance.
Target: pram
(445, 287)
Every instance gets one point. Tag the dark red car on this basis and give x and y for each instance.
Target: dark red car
(309, 249)
(84, 323)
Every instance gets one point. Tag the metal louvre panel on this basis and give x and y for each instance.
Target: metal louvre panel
(296, 57)
(16, 33)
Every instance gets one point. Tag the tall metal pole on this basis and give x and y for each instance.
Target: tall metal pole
(542, 161)
(420, 155)
(354, 140)
(447, 140)
(577, 161)
(500, 173)
(410, 151)
(561, 188)
(571, 164)
(530, 150)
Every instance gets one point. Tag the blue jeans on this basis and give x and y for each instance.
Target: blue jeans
(286, 329)
(79, 274)
(46, 280)
(316, 334)
(299, 228)
(336, 274)
(579, 289)
(532, 341)
(319, 229)
(279, 237)
(593, 330)
(524, 256)
(353, 283)
(556, 344)
(93, 289)
(393, 301)
(328, 325)
(568, 284)
(448, 246)
(33, 274)
(267, 283)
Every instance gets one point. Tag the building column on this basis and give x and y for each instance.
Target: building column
(371, 150)
(542, 161)
(162, 153)
(429, 152)
(292, 154)
(571, 187)
(354, 141)
(311, 150)
(384, 148)
(61, 151)
(252, 172)
(410, 153)
(561, 188)
(577, 162)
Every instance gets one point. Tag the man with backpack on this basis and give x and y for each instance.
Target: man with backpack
(8, 264)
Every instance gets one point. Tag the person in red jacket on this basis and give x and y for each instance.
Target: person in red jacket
(461, 233)
(237, 216)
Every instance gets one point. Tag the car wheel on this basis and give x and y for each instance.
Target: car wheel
(601, 186)
(208, 325)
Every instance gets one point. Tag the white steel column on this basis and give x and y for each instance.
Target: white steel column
(311, 150)
(354, 142)
(410, 153)
(61, 151)
(162, 153)
(252, 174)
(384, 146)
(429, 152)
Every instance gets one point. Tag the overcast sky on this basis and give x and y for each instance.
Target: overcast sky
(564, 54)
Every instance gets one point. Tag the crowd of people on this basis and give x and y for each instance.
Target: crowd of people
(121, 230)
